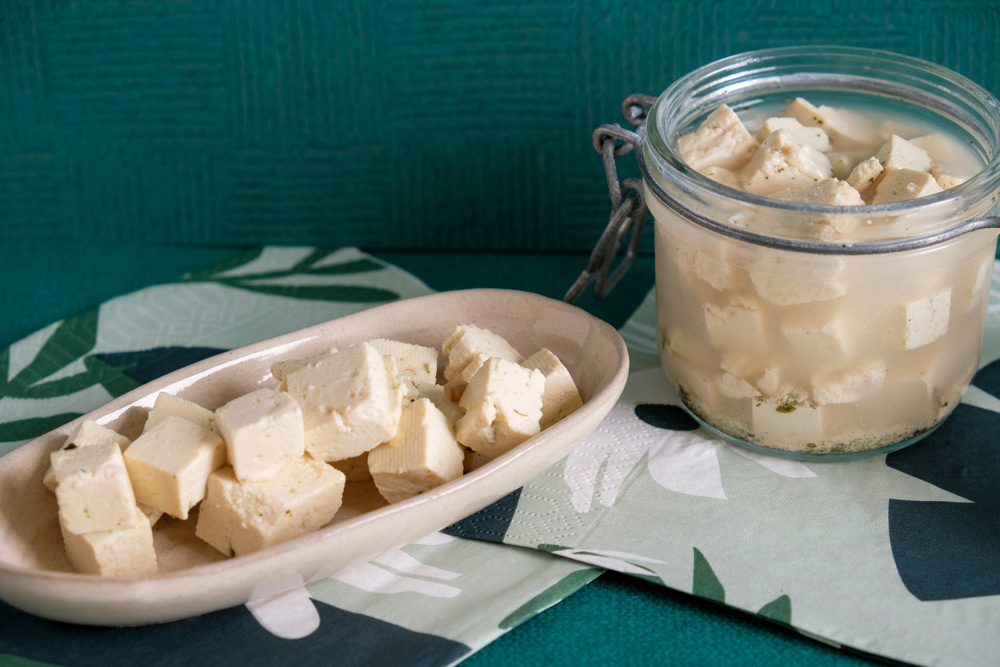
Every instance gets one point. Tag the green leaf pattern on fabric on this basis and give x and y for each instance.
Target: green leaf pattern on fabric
(550, 596)
(72, 339)
(778, 610)
(266, 281)
(704, 582)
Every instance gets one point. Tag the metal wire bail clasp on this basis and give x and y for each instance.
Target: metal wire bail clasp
(628, 210)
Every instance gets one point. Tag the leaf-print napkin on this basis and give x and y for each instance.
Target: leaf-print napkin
(896, 556)
(430, 603)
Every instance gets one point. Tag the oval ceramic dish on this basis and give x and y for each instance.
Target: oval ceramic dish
(36, 576)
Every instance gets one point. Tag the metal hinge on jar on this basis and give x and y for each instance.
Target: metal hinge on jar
(628, 210)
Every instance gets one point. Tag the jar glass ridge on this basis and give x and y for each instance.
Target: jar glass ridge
(813, 348)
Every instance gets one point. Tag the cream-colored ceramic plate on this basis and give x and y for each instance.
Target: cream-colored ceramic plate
(36, 576)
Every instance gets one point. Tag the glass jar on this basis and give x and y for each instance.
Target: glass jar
(810, 330)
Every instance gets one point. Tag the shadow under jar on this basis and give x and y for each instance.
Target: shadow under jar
(814, 331)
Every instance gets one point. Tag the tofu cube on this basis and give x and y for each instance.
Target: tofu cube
(350, 402)
(727, 177)
(93, 490)
(168, 405)
(86, 434)
(815, 337)
(828, 192)
(846, 129)
(503, 407)
(842, 162)
(783, 162)
(355, 469)
(815, 136)
(786, 279)
(415, 364)
(440, 396)
(262, 431)
(898, 153)
(848, 386)
(737, 327)
(421, 456)
(720, 141)
(697, 265)
(946, 177)
(170, 463)
(281, 369)
(905, 184)
(865, 175)
(468, 347)
(927, 319)
(120, 552)
(561, 397)
(243, 517)
(732, 386)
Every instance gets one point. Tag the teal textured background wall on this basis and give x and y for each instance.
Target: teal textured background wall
(384, 124)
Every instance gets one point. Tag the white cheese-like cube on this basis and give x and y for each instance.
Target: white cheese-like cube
(842, 162)
(720, 141)
(865, 175)
(697, 265)
(262, 430)
(350, 402)
(746, 376)
(168, 405)
(828, 192)
(737, 326)
(904, 184)
(441, 397)
(848, 386)
(946, 177)
(468, 347)
(735, 387)
(927, 319)
(120, 552)
(503, 407)
(87, 433)
(727, 177)
(898, 153)
(786, 279)
(973, 279)
(151, 513)
(170, 463)
(281, 369)
(814, 136)
(355, 469)
(243, 517)
(777, 421)
(561, 396)
(417, 362)
(846, 129)
(782, 162)
(93, 489)
(421, 456)
(816, 337)
(770, 381)
(679, 341)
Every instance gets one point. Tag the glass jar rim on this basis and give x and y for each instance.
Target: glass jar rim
(727, 72)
